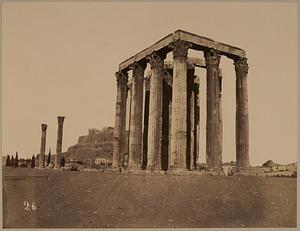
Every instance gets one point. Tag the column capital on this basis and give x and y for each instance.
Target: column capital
(212, 58)
(155, 60)
(121, 78)
(60, 120)
(241, 65)
(180, 48)
(147, 83)
(137, 70)
(44, 127)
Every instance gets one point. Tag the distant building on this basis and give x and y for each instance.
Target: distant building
(99, 161)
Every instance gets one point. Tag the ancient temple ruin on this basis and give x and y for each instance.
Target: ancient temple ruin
(161, 109)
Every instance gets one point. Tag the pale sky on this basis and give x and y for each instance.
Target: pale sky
(60, 59)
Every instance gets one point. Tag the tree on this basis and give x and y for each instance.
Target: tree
(33, 161)
(12, 162)
(49, 157)
(7, 161)
(63, 161)
(16, 160)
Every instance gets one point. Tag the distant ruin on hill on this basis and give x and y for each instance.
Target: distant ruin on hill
(97, 144)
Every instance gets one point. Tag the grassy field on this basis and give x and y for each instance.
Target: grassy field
(110, 200)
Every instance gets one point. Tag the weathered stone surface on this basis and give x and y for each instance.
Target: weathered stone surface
(199, 43)
(120, 119)
(43, 146)
(212, 119)
(220, 120)
(155, 112)
(170, 126)
(166, 119)
(242, 120)
(136, 117)
(178, 147)
(60, 120)
(197, 117)
(146, 121)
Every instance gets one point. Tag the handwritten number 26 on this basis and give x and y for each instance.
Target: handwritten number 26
(27, 205)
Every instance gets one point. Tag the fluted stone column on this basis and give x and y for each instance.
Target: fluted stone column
(220, 120)
(212, 59)
(242, 120)
(124, 160)
(192, 126)
(166, 118)
(197, 118)
(155, 112)
(136, 117)
(177, 160)
(120, 120)
(60, 120)
(146, 121)
(43, 146)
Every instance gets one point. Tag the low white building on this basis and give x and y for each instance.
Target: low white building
(99, 161)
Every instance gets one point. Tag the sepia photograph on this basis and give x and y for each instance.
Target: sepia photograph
(153, 115)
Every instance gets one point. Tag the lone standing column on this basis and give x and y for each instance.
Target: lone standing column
(120, 120)
(155, 112)
(177, 160)
(43, 147)
(136, 117)
(242, 120)
(212, 59)
(60, 120)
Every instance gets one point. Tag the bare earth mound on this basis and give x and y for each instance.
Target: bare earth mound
(102, 200)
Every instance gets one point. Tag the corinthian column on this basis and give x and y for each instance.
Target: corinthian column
(178, 151)
(136, 117)
(191, 120)
(212, 59)
(60, 120)
(155, 113)
(120, 120)
(220, 120)
(197, 118)
(242, 120)
(146, 121)
(43, 146)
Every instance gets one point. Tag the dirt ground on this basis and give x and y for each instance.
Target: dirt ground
(110, 200)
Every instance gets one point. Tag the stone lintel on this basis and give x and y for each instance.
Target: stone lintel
(198, 43)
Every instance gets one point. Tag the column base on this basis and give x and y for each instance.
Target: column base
(178, 171)
(155, 171)
(242, 171)
(134, 170)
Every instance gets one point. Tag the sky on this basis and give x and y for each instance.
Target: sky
(60, 59)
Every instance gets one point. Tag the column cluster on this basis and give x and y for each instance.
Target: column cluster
(41, 165)
(164, 113)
